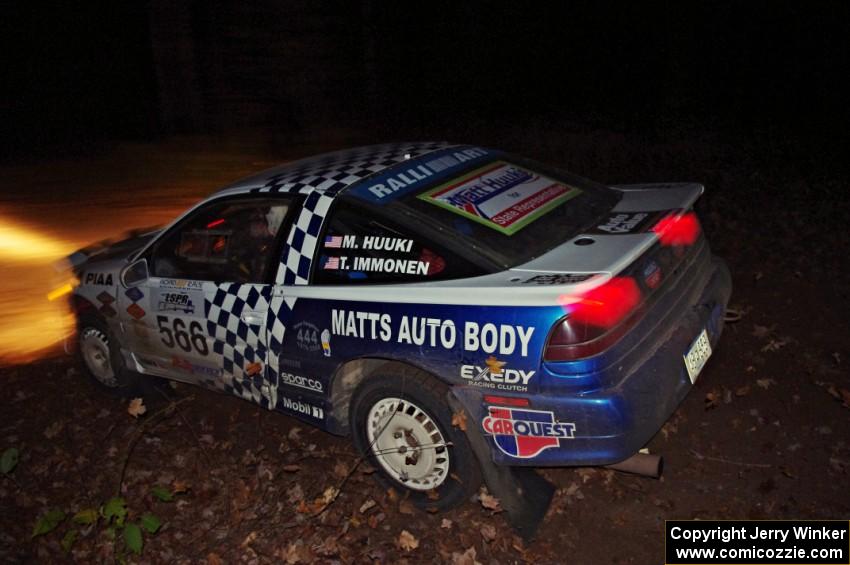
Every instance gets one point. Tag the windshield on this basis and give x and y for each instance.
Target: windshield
(502, 212)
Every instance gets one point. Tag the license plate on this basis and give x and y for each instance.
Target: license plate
(697, 355)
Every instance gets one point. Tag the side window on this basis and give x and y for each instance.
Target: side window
(359, 248)
(228, 241)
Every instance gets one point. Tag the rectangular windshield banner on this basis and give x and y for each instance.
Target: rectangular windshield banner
(763, 542)
(414, 174)
(501, 196)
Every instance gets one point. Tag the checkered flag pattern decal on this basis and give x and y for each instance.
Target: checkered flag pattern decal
(238, 344)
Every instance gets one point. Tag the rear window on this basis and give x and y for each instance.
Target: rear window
(500, 213)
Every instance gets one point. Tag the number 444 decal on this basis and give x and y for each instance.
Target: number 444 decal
(176, 334)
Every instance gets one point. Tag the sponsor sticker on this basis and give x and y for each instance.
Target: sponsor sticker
(136, 311)
(181, 284)
(524, 433)
(501, 339)
(193, 368)
(100, 279)
(405, 178)
(564, 278)
(135, 294)
(303, 408)
(495, 375)
(370, 243)
(652, 274)
(312, 385)
(307, 336)
(501, 196)
(178, 301)
(106, 301)
(375, 265)
(625, 222)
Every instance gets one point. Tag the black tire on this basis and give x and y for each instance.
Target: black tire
(93, 333)
(451, 473)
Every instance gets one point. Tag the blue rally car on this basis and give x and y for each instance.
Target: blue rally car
(416, 295)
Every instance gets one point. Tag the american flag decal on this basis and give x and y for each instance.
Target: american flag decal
(331, 263)
(333, 241)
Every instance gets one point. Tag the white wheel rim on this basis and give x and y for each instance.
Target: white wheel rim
(95, 349)
(410, 448)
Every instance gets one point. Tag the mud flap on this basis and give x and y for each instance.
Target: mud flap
(523, 494)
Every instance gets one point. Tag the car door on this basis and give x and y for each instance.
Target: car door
(200, 316)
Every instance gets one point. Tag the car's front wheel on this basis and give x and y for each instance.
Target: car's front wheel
(101, 357)
(403, 425)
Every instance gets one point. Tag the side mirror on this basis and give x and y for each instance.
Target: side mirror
(135, 273)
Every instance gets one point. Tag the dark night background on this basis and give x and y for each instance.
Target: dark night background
(79, 76)
(123, 114)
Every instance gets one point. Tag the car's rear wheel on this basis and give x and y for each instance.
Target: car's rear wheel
(402, 424)
(100, 354)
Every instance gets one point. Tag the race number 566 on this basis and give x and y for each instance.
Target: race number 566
(174, 333)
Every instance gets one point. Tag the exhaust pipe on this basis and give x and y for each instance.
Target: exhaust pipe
(644, 464)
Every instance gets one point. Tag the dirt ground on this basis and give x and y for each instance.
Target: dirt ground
(763, 434)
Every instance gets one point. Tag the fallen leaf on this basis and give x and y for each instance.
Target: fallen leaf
(489, 501)
(369, 504)
(53, 430)
(292, 468)
(432, 494)
(573, 491)
(340, 469)
(712, 399)
(328, 548)
(68, 540)
(136, 408)
(150, 522)
(845, 397)
(459, 420)
(328, 496)
(465, 558)
(488, 532)
(85, 517)
(214, 559)
(407, 541)
(9, 460)
(765, 383)
(774, 345)
(162, 493)
(669, 428)
(249, 539)
(446, 524)
(405, 507)
(133, 538)
(295, 493)
(294, 434)
(298, 552)
(179, 487)
(742, 390)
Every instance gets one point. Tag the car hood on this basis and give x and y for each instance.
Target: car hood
(111, 250)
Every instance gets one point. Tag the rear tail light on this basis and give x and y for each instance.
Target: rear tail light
(595, 320)
(678, 229)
